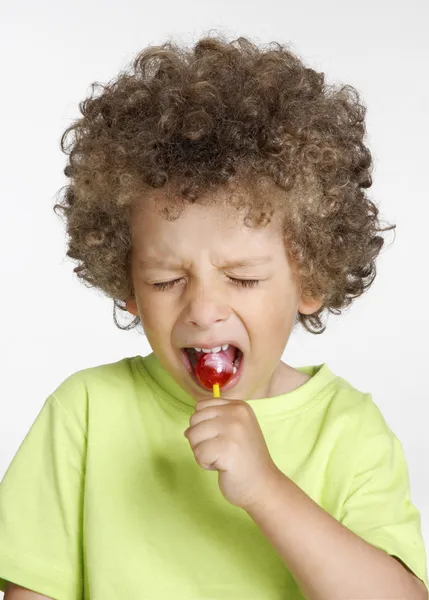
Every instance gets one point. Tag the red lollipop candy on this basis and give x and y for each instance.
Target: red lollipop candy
(214, 371)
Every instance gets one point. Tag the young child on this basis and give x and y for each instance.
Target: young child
(218, 195)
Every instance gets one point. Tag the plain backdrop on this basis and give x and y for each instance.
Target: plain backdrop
(52, 325)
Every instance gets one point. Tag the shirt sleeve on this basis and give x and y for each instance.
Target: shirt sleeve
(41, 499)
(378, 507)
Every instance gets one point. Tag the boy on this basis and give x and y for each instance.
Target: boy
(216, 194)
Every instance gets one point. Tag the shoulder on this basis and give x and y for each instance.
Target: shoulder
(347, 410)
(366, 412)
(122, 373)
(96, 375)
(367, 436)
(333, 393)
(345, 396)
(106, 384)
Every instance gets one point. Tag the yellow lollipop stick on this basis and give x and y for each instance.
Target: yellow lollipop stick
(216, 390)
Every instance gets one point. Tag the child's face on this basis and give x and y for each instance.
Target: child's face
(189, 277)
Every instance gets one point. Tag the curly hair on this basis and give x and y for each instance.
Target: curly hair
(195, 119)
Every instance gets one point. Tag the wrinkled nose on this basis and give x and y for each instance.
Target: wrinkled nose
(206, 308)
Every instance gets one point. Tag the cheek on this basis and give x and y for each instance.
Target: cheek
(273, 309)
(156, 314)
(274, 319)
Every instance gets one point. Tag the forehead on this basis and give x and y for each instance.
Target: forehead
(204, 226)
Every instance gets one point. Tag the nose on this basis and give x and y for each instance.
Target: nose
(205, 308)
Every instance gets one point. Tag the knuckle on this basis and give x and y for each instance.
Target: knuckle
(236, 427)
(240, 410)
(199, 454)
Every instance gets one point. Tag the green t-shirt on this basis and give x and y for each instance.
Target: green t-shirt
(104, 499)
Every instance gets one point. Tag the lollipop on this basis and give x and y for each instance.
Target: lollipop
(214, 371)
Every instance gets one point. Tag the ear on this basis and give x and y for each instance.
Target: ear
(308, 306)
(131, 306)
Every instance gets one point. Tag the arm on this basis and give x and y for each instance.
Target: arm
(327, 560)
(15, 592)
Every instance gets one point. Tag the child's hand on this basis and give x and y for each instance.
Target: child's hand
(225, 435)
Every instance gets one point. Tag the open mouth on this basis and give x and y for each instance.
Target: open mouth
(233, 354)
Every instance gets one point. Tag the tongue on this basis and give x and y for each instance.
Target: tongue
(230, 353)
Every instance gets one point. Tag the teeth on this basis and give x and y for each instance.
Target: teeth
(234, 370)
(214, 350)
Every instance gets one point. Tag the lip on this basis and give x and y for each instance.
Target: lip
(235, 378)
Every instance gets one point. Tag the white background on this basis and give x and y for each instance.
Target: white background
(52, 325)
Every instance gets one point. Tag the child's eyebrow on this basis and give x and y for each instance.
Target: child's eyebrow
(249, 261)
(151, 263)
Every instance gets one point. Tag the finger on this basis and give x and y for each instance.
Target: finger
(203, 431)
(201, 404)
(209, 452)
(211, 412)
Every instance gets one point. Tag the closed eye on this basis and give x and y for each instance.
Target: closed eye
(245, 283)
(166, 285)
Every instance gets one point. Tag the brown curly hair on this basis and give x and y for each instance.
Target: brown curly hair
(223, 112)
